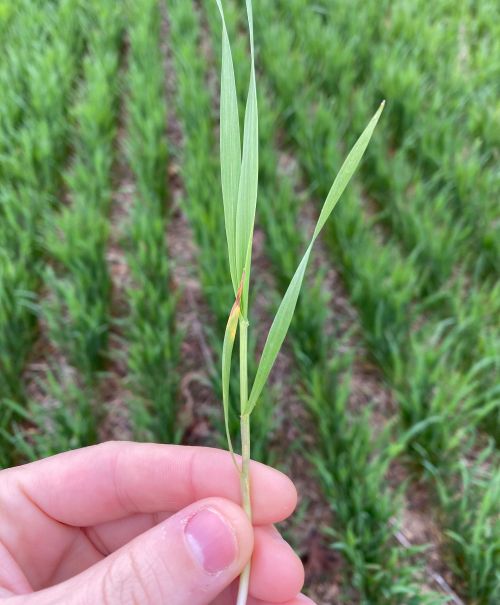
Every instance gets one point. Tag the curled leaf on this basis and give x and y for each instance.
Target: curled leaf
(227, 353)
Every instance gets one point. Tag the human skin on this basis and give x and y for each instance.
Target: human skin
(126, 523)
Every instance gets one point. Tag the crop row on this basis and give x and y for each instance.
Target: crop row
(441, 168)
(384, 282)
(468, 306)
(439, 400)
(151, 336)
(37, 80)
(75, 305)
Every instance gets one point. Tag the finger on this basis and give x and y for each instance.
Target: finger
(276, 569)
(277, 572)
(229, 598)
(12, 578)
(112, 535)
(109, 481)
(188, 559)
(300, 599)
(100, 541)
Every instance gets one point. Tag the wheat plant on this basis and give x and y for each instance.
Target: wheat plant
(239, 177)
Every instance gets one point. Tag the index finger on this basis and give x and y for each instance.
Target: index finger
(115, 479)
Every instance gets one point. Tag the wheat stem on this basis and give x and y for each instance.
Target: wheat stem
(247, 505)
(245, 451)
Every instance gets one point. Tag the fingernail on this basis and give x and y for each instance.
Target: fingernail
(303, 600)
(274, 532)
(211, 540)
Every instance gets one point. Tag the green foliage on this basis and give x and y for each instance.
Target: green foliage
(230, 147)
(75, 302)
(286, 309)
(151, 335)
(436, 347)
(440, 414)
(431, 148)
(415, 243)
(36, 79)
(77, 308)
(470, 501)
(352, 463)
(67, 419)
(245, 217)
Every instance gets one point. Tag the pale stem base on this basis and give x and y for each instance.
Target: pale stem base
(247, 505)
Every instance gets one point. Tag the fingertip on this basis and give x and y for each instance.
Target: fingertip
(302, 599)
(274, 495)
(277, 572)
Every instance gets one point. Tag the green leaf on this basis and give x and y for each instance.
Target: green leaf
(230, 146)
(278, 331)
(346, 171)
(286, 309)
(249, 176)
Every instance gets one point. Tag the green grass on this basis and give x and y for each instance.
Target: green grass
(41, 66)
(76, 300)
(352, 465)
(415, 243)
(431, 139)
(442, 379)
(383, 282)
(470, 508)
(77, 307)
(150, 334)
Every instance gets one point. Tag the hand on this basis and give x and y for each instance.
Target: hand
(127, 523)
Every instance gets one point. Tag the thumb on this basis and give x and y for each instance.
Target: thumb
(186, 560)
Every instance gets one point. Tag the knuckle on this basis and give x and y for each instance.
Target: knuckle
(129, 582)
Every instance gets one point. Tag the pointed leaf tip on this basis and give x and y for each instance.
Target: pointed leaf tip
(249, 176)
(281, 323)
(230, 146)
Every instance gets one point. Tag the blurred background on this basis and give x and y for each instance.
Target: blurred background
(114, 281)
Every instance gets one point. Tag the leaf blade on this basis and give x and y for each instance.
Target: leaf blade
(277, 332)
(283, 318)
(346, 171)
(230, 146)
(249, 176)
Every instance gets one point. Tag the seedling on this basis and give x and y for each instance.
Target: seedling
(239, 176)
